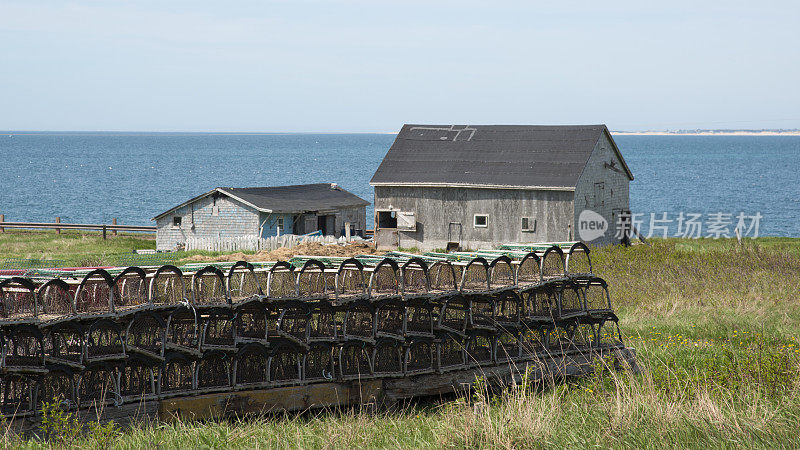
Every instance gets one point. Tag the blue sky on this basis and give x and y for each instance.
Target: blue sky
(372, 66)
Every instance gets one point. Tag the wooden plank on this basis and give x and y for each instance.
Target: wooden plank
(292, 398)
(376, 392)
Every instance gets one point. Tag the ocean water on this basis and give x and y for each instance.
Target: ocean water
(92, 178)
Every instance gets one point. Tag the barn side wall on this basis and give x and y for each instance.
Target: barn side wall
(608, 201)
(436, 208)
(232, 219)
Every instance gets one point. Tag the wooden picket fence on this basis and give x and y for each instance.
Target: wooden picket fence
(256, 243)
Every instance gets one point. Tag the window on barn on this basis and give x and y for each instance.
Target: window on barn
(176, 221)
(528, 224)
(387, 219)
(481, 220)
(280, 225)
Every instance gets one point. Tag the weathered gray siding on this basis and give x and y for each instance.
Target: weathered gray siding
(232, 219)
(335, 220)
(615, 192)
(436, 207)
(356, 216)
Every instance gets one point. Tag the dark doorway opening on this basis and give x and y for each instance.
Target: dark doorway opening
(322, 225)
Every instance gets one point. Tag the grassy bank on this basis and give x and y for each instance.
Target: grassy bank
(71, 247)
(716, 327)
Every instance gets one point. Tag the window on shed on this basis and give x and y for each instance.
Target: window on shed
(280, 224)
(387, 219)
(481, 220)
(528, 224)
(176, 221)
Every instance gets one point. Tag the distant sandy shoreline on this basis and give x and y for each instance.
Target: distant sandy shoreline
(706, 133)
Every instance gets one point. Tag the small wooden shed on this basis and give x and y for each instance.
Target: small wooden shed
(262, 211)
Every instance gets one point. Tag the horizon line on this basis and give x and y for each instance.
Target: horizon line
(244, 133)
(286, 133)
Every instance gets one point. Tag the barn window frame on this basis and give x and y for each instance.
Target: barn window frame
(177, 221)
(279, 225)
(386, 219)
(528, 224)
(485, 221)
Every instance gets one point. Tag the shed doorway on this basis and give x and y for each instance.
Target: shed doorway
(325, 224)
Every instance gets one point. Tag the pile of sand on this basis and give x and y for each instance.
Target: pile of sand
(284, 253)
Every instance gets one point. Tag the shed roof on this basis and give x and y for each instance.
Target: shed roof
(504, 156)
(294, 199)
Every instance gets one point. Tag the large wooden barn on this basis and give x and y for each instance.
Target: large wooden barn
(443, 186)
(262, 211)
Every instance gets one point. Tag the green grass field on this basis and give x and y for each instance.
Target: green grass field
(72, 249)
(716, 327)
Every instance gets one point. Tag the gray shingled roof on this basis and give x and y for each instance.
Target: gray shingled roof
(298, 198)
(287, 199)
(490, 155)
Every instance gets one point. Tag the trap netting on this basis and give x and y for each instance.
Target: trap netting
(90, 338)
(242, 282)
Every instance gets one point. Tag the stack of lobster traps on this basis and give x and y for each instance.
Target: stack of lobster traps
(127, 335)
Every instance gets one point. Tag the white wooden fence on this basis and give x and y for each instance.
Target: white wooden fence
(256, 243)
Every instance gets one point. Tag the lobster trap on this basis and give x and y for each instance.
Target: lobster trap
(319, 362)
(177, 374)
(138, 379)
(130, 290)
(91, 339)
(251, 367)
(214, 371)
(355, 360)
(64, 344)
(18, 301)
(242, 282)
(98, 385)
(95, 295)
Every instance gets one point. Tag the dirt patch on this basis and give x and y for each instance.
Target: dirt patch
(284, 253)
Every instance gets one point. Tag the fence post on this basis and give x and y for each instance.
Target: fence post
(347, 230)
(104, 232)
(114, 222)
(2, 219)
(58, 220)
